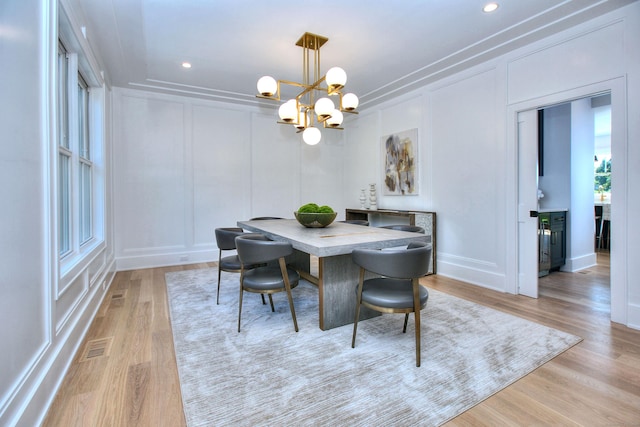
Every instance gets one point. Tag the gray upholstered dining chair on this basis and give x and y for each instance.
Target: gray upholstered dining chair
(226, 241)
(405, 227)
(398, 290)
(255, 248)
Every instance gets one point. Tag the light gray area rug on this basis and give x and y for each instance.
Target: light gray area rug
(269, 375)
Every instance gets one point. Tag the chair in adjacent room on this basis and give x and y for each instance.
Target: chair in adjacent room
(273, 277)
(405, 227)
(399, 290)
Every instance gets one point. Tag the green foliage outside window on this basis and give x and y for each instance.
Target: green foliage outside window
(603, 177)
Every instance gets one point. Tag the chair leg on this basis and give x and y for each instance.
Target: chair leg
(271, 302)
(240, 303)
(358, 302)
(293, 310)
(219, 273)
(355, 325)
(416, 315)
(287, 285)
(263, 300)
(406, 320)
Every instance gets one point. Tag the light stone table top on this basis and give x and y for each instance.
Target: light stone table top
(337, 239)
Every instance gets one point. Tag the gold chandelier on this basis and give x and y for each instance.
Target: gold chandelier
(308, 108)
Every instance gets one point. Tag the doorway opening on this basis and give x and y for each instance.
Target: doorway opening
(574, 194)
(525, 237)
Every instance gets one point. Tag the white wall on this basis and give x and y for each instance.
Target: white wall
(25, 283)
(555, 182)
(44, 310)
(581, 223)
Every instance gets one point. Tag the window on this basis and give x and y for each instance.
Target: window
(75, 177)
(602, 157)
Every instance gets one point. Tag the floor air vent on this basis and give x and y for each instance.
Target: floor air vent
(97, 348)
(119, 294)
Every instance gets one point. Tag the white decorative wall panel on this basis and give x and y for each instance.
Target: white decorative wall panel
(360, 158)
(321, 173)
(68, 301)
(469, 169)
(274, 168)
(150, 182)
(221, 171)
(580, 60)
(402, 116)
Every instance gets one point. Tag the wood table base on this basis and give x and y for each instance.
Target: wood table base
(337, 280)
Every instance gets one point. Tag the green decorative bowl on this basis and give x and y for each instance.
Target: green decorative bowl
(315, 220)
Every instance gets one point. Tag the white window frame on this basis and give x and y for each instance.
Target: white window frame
(64, 160)
(86, 153)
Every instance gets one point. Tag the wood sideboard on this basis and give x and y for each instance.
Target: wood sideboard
(426, 220)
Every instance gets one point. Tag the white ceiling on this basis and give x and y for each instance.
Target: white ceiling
(385, 47)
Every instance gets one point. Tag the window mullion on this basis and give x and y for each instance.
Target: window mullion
(74, 146)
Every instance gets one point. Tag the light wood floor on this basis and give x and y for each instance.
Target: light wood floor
(126, 375)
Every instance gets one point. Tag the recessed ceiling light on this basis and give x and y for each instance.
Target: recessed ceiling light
(490, 7)
(186, 65)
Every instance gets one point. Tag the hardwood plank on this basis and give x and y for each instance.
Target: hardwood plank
(136, 396)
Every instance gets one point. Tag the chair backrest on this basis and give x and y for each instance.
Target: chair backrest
(356, 221)
(400, 264)
(405, 227)
(226, 237)
(255, 248)
(261, 218)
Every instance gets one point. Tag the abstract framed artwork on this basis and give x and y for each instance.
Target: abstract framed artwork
(400, 158)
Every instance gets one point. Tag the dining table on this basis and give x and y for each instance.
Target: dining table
(337, 274)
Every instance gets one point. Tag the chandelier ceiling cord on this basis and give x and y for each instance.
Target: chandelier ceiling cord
(308, 108)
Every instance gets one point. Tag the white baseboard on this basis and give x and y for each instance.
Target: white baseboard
(163, 260)
(633, 316)
(579, 263)
(472, 274)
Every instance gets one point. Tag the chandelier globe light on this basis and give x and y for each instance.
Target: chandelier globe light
(336, 79)
(267, 86)
(311, 135)
(335, 119)
(349, 102)
(323, 108)
(312, 104)
(288, 111)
